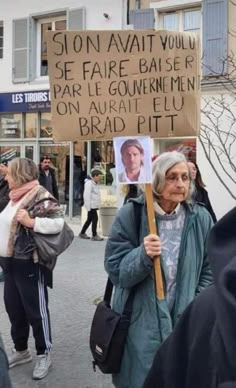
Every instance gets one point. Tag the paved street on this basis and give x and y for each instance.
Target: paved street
(79, 278)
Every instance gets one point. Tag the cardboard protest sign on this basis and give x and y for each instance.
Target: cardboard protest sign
(124, 83)
(133, 159)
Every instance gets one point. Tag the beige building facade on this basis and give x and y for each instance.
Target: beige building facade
(215, 148)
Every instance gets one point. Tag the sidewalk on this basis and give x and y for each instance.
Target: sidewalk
(79, 280)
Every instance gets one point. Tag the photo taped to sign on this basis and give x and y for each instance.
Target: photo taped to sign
(106, 84)
(133, 159)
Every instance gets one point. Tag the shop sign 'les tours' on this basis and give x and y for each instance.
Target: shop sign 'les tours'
(120, 83)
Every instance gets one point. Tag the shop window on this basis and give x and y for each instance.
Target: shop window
(186, 146)
(103, 158)
(1, 39)
(45, 25)
(29, 152)
(58, 154)
(31, 123)
(46, 125)
(8, 152)
(10, 125)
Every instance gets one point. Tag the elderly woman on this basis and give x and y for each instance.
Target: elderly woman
(181, 243)
(25, 287)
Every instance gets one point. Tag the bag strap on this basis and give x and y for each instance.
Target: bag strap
(128, 308)
(108, 291)
(109, 286)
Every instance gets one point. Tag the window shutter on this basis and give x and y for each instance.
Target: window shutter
(76, 19)
(20, 70)
(32, 48)
(215, 33)
(142, 18)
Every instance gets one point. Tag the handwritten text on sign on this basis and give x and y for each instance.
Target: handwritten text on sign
(120, 83)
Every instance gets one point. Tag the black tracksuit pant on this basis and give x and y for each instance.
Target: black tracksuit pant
(91, 218)
(26, 302)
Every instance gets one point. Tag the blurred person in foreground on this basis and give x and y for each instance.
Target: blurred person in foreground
(26, 280)
(4, 197)
(201, 351)
(4, 375)
(4, 187)
(183, 229)
(200, 194)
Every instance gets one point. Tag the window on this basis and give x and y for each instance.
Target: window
(1, 39)
(29, 59)
(137, 4)
(45, 25)
(10, 125)
(31, 123)
(9, 152)
(182, 20)
(45, 125)
(186, 146)
(103, 158)
(192, 20)
(171, 21)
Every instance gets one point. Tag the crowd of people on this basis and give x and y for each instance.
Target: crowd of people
(184, 340)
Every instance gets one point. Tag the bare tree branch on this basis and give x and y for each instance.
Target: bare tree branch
(215, 170)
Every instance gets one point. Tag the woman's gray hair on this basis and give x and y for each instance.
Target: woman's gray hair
(22, 170)
(161, 165)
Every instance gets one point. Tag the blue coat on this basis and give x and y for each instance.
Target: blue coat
(128, 265)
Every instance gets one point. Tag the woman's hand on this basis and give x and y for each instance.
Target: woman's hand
(152, 245)
(23, 218)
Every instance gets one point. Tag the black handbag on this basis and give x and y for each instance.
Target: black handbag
(24, 244)
(109, 331)
(50, 246)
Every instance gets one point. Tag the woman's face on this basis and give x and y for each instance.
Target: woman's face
(193, 170)
(176, 186)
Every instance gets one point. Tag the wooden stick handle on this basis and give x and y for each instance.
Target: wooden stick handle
(153, 230)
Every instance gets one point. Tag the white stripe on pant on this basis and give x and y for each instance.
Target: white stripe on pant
(26, 302)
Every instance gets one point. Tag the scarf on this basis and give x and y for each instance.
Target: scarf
(33, 196)
(16, 194)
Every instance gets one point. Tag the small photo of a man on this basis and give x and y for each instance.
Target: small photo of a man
(133, 159)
